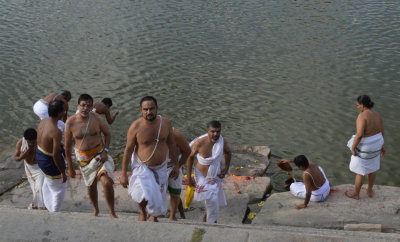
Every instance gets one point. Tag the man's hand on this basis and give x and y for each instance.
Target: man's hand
(300, 206)
(103, 156)
(123, 180)
(175, 172)
(383, 151)
(191, 181)
(63, 177)
(71, 172)
(353, 152)
(285, 161)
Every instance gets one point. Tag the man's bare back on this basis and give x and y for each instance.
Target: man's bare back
(316, 174)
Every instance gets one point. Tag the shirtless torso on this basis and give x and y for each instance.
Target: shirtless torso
(313, 177)
(55, 96)
(101, 108)
(29, 155)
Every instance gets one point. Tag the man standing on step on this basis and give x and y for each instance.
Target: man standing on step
(85, 128)
(149, 142)
(209, 150)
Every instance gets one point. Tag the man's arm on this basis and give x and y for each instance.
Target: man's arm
(57, 154)
(307, 183)
(110, 119)
(18, 156)
(66, 107)
(190, 161)
(227, 156)
(107, 139)
(360, 124)
(131, 140)
(68, 147)
(184, 148)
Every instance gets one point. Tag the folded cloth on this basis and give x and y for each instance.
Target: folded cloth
(41, 109)
(209, 189)
(150, 184)
(91, 166)
(46, 163)
(35, 179)
(298, 189)
(53, 193)
(367, 158)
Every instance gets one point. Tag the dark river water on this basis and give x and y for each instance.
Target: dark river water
(280, 73)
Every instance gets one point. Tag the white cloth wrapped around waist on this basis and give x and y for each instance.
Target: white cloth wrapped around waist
(96, 168)
(149, 184)
(369, 147)
(298, 189)
(53, 193)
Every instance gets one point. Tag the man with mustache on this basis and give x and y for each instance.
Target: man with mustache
(209, 149)
(85, 128)
(149, 143)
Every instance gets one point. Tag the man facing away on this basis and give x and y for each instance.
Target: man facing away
(49, 157)
(103, 107)
(315, 186)
(182, 149)
(85, 128)
(209, 149)
(41, 106)
(26, 150)
(149, 140)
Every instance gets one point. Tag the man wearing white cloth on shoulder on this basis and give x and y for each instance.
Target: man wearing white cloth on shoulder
(86, 129)
(209, 150)
(366, 146)
(149, 142)
(315, 186)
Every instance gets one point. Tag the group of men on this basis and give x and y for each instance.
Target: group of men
(156, 150)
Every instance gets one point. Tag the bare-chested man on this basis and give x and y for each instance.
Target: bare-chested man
(315, 186)
(182, 149)
(85, 128)
(149, 139)
(209, 150)
(49, 157)
(366, 146)
(103, 107)
(26, 150)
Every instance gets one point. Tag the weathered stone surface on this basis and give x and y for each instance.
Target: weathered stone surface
(363, 227)
(336, 211)
(244, 157)
(255, 187)
(9, 178)
(7, 162)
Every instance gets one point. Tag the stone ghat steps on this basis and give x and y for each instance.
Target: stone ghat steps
(33, 225)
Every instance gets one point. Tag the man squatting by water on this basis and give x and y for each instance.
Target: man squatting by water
(315, 186)
(209, 149)
(149, 142)
(85, 128)
(25, 149)
(49, 158)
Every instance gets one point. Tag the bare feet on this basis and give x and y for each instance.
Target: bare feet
(142, 217)
(113, 215)
(370, 193)
(352, 195)
(95, 213)
(153, 219)
(173, 218)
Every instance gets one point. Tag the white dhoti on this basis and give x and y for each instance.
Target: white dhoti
(209, 189)
(41, 109)
(35, 179)
(367, 158)
(149, 184)
(53, 193)
(91, 166)
(298, 189)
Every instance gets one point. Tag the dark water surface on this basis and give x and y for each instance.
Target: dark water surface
(279, 73)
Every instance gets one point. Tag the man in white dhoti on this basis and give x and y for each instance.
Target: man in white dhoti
(86, 129)
(26, 150)
(149, 144)
(209, 150)
(40, 108)
(366, 146)
(315, 186)
(49, 158)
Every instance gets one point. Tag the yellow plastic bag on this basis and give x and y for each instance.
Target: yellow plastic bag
(189, 196)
